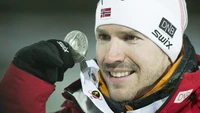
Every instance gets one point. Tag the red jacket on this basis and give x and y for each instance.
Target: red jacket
(28, 94)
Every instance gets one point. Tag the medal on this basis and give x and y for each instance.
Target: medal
(79, 43)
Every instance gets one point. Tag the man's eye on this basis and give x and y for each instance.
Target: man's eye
(104, 37)
(130, 38)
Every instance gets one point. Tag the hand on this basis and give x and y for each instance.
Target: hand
(47, 60)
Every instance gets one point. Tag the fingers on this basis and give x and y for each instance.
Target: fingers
(46, 54)
(65, 53)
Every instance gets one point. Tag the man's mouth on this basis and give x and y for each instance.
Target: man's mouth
(120, 74)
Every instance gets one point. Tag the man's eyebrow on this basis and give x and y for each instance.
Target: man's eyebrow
(124, 32)
(101, 31)
(130, 32)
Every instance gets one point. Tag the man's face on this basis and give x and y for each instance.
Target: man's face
(130, 63)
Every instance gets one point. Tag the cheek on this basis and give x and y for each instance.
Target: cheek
(100, 53)
(147, 54)
(145, 57)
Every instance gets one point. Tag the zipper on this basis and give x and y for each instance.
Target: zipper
(169, 98)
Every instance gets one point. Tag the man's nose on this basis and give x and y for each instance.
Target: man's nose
(115, 52)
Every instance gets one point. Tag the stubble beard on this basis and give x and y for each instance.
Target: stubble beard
(126, 93)
(122, 94)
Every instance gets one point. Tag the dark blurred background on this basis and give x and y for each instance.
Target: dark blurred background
(23, 22)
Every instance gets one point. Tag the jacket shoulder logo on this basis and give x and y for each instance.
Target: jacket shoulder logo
(182, 96)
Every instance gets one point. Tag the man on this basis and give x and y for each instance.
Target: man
(145, 64)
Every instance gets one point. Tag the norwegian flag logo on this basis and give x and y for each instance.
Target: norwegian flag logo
(106, 12)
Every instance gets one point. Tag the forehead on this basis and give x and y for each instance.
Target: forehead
(114, 28)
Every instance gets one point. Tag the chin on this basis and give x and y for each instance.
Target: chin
(121, 95)
(121, 98)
